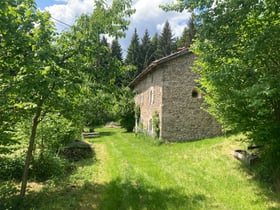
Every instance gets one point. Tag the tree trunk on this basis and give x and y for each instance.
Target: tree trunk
(35, 123)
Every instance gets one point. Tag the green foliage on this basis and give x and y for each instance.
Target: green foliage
(156, 123)
(147, 50)
(116, 50)
(12, 165)
(133, 56)
(55, 131)
(47, 166)
(43, 73)
(98, 108)
(8, 191)
(166, 43)
(188, 35)
(137, 112)
(125, 109)
(238, 50)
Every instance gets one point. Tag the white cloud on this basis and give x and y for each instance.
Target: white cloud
(148, 16)
(69, 11)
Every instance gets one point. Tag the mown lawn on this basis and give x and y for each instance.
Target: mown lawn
(137, 173)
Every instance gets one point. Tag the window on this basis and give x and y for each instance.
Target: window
(151, 96)
(196, 93)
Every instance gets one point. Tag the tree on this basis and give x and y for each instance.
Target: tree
(42, 73)
(133, 56)
(28, 75)
(116, 50)
(192, 29)
(125, 109)
(238, 50)
(154, 43)
(183, 41)
(146, 49)
(188, 35)
(166, 43)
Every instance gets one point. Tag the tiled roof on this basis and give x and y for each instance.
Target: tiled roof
(156, 63)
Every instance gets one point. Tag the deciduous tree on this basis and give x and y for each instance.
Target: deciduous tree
(42, 73)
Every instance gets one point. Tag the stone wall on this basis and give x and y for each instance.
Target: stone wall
(150, 86)
(170, 89)
(182, 116)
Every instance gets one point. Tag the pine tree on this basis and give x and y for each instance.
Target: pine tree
(192, 29)
(133, 55)
(154, 43)
(184, 40)
(188, 35)
(166, 43)
(146, 50)
(116, 50)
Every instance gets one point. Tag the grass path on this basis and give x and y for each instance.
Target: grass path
(134, 173)
(138, 174)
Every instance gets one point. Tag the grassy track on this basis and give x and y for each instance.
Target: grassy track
(135, 173)
(197, 175)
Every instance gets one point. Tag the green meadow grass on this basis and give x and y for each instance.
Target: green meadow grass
(138, 173)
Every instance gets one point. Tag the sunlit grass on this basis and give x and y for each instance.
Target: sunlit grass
(139, 173)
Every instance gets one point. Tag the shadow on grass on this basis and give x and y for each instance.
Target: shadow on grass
(266, 187)
(132, 195)
(107, 133)
(108, 196)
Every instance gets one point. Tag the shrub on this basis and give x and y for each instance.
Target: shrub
(12, 166)
(46, 166)
(128, 121)
(125, 110)
(156, 124)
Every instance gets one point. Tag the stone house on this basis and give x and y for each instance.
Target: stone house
(167, 89)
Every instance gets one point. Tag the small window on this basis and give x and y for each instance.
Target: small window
(196, 93)
(151, 96)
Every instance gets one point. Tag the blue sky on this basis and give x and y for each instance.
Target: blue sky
(148, 16)
(43, 3)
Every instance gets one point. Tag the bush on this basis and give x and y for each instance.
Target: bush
(128, 121)
(12, 166)
(78, 150)
(46, 166)
(125, 110)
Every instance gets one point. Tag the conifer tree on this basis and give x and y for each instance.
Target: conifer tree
(146, 50)
(133, 55)
(116, 50)
(188, 34)
(154, 43)
(166, 43)
(184, 40)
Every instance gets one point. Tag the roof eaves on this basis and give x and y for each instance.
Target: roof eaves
(156, 63)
